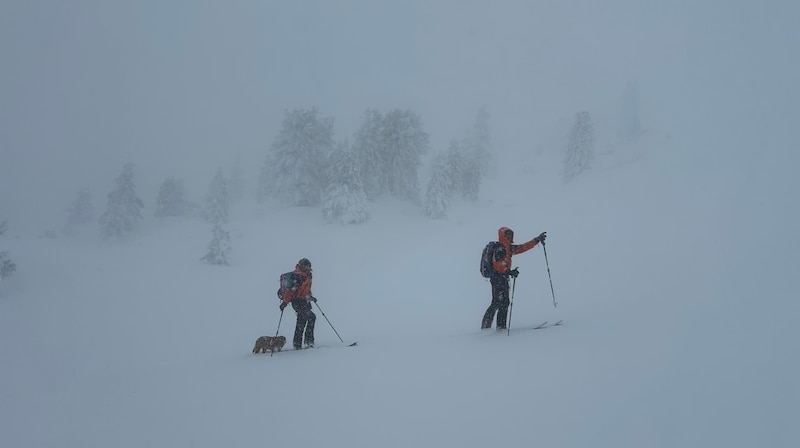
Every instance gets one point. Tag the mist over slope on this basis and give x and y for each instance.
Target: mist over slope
(673, 259)
(135, 341)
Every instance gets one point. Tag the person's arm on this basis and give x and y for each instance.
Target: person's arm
(524, 247)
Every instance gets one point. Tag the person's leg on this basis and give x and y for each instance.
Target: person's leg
(502, 304)
(311, 319)
(302, 317)
(488, 316)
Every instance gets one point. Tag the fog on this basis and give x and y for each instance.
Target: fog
(180, 88)
(673, 258)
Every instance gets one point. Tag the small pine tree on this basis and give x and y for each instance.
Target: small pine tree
(219, 249)
(7, 267)
(344, 200)
(218, 200)
(478, 143)
(471, 177)
(437, 195)
(81, 211)
(171, 199)
(124, 208)
(236, 184)
(464, 171)
(579, 154)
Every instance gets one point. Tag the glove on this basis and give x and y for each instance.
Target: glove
(312, 298)
(283, 305)
(541, 237)
(513, 272)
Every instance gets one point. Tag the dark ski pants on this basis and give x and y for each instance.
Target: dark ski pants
(499, 305)
(305, 322)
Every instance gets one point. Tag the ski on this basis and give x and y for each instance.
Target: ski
(325, 346)
(548, 326)
(318, 347)
(541, 326)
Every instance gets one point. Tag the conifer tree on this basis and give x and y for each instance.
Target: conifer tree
(171, 199)
(7, 267)
(470, 177)
(369, 154)
(388, 151)
(344, 201)
(217, 200)
(81, 211)
(438, 193)
(236, 180)
(295, 172)
(579, 154)
(219, 249)
(124, 208)
(478, 144)
(404, 144)
(464, 171)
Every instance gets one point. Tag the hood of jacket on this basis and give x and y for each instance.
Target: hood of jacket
(505, 240)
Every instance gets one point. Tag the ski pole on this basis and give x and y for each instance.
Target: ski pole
(544, 248)
(511, 305)
(271, 352)
(329, 322)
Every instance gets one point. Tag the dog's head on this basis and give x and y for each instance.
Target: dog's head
(277, 341)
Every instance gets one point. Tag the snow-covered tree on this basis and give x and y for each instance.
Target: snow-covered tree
(464, 171)
(478, 143)
(81, 211)
(219, 249)
(579, 154)
(236, 180)
(368, 152)
(454, 164)
(388, 151)
(124, 208)
(404, 144)
(295, 169)
(344, 201)
(7, 267)
(218, 200)
(171, 199)
(440, 185)
(470, 178)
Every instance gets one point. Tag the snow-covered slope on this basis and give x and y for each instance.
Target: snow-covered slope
(672, 336)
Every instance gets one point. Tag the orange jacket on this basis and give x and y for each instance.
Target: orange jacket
(303, 290)
(502, 255)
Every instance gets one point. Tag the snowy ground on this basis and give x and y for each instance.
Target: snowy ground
(674, 286)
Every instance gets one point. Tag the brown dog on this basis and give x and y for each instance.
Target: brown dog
(270, 343)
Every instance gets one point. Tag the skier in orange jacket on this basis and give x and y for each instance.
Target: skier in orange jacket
(501, 264)
(299, 295)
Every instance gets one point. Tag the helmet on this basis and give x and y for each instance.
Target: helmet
(305, 264)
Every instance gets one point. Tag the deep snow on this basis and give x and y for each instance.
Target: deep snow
(678, 309)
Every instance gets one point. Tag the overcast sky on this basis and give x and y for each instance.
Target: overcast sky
(181, 87)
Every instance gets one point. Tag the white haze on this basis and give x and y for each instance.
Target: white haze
(180, 88)
(673, 259)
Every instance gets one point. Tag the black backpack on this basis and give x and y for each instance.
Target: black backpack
(487, 258)
(289, 280)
